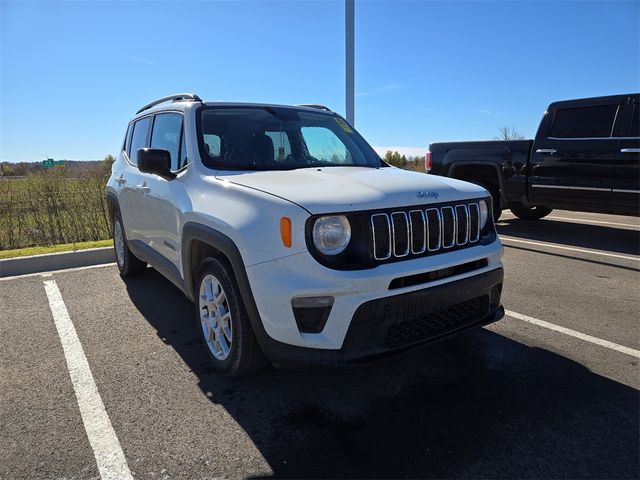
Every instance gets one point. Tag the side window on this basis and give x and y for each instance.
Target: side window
(166, 135)
(324, 145)
(183, 150)
(212, 144)
(127, 139)
(281, 145)
(139, 137)
(583, 122)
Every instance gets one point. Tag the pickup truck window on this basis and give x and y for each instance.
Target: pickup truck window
(635, 122)
(583, 122)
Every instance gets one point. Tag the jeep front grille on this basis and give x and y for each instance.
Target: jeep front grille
(432, 230)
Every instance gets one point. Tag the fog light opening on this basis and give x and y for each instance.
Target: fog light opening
(311, 313)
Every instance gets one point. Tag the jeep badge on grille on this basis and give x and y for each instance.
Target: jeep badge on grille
(433, 195)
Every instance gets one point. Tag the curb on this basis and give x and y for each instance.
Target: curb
(11, 267)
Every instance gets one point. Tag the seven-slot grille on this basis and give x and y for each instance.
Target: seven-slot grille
(416, 231)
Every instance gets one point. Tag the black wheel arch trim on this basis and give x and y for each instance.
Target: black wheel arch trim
(494, 165)
(221, 242)
(112, 200)
(277, 352)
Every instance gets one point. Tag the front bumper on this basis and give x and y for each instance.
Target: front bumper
(274, 285)
(395, 324)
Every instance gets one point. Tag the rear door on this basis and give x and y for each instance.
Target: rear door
(575, 154)
(626, 188)
(129, 179)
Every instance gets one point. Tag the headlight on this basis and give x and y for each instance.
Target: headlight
(484, 213)
(331, 234)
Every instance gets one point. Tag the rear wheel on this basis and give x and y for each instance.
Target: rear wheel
(223, 322)
(127, 262)
(526, 212)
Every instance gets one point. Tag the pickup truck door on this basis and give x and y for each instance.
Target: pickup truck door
(574, 157)
(626, 179)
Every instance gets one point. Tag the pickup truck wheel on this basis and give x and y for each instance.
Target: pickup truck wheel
(529, 213)
(223, 323)
(128, 263)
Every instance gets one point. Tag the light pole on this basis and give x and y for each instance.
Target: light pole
(349, 16)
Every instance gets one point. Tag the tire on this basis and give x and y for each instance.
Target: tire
(223, 323)
(128, 264)
(529, 212)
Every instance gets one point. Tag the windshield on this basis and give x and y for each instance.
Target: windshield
(279, 138)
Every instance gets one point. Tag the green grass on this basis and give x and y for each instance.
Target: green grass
(66, 247)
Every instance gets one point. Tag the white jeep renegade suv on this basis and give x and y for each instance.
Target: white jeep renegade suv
(295, 241)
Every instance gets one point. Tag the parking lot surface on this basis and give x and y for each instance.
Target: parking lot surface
(550, 391)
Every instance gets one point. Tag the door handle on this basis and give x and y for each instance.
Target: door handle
(630, 150)
(143, 188)
(121, 180)
(550, 151)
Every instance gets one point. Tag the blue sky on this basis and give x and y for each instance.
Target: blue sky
(73, 73)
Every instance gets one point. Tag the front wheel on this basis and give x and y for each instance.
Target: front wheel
(526, 212)
(223, 322)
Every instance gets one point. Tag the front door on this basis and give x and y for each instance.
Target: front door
(161, 200)
(574, 157)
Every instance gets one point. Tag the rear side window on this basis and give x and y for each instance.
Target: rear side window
(139, 137)
(583, 122)
(127, 140)
(635, 124)
(166, 135)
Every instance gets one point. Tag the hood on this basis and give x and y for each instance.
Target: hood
(345, 189)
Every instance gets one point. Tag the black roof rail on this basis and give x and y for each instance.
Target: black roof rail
(315, 105)
(175, 98)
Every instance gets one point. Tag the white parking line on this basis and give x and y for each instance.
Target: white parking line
(573, 333)
(106, 448)
(49, 273)
(572, 249)
(586, 221)
(599, 222)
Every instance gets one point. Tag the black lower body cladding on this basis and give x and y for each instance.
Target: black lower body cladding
(392, 325)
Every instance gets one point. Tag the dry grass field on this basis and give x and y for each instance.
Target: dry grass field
(52, 208)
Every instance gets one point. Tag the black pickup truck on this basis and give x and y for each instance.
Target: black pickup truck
(585, 157)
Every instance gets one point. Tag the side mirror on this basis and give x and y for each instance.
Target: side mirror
(156, 161)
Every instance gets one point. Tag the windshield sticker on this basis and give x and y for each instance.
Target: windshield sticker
(344, 125)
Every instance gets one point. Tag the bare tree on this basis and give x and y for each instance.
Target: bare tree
(507, 133)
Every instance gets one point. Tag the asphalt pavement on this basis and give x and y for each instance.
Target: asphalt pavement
(550, 391)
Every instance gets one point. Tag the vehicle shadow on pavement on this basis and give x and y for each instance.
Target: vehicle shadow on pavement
(599, 237)
(478, 405)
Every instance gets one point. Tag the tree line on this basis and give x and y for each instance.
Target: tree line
(415, 163)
